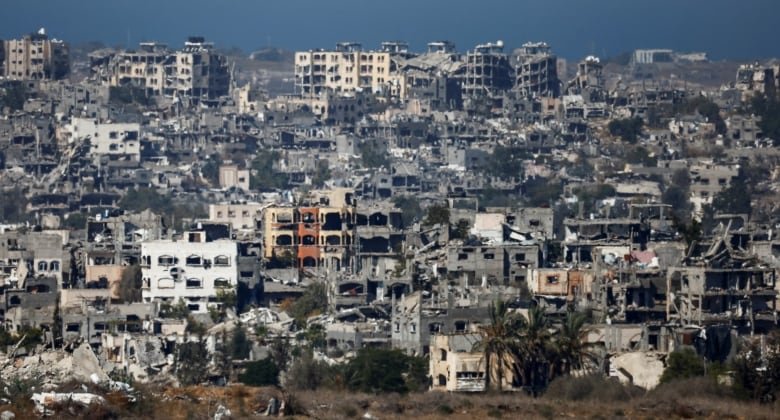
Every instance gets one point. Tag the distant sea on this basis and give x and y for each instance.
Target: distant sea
(743, 29)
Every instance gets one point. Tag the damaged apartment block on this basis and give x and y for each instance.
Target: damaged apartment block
(721, 283)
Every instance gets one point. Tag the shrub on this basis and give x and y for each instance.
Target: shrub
(260, 373)
(591, 387)
(682, 364)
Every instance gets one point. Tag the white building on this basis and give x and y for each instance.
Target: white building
(653, 56)
(112, 139)
(191, 269)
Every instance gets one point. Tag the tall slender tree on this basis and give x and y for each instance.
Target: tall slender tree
(573, 352)
(499, 342)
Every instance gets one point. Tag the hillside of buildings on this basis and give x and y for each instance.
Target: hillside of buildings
(466, 231)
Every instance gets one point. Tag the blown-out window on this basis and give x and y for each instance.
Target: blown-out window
(194, 283)
(166, 260)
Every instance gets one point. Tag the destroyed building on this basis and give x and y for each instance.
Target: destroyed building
(536, 70)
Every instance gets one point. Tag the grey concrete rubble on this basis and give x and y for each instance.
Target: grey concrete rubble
(161, 198)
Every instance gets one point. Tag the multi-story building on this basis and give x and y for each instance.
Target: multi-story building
(536, 70)
(346, 69)
(317, 235)
(707, 180)
(199, 71)
(194, 268)
(652, 56)
(241, 216)
(144, 68)
(35, 57)
(116, 140)
(487, 70)
(196, 71)
(233, 176)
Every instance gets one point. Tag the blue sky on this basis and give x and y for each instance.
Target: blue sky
(724, 28)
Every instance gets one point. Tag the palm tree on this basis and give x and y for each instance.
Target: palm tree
(572, 348)
(499, 342)
(535, 351)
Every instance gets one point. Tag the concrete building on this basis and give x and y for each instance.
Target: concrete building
(652, 56)
(487, 70)
(195, 72)
(118, 141)
(145, 68)
(707, 180)
(416, 319)
(232, 176)
(347, 68)
(317, 235)
(35, 57)
(193, 268)
(244, 216)
(454, 365)
(536, 71)
(199, 72)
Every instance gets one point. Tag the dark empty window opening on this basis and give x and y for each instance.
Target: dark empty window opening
(194, 284)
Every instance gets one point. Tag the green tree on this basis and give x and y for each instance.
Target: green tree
(735, 199)
(410, 208)
(493, 197)
(541, 192)
(373, 156)
(437, 214)
(240, 346)
(682, 364)
(264, 177)
(313, 302)
(572, 348)
(681, 178)
(706, 108)
(678, 199)
(13, 206)
(280, 352)
(629, 129)
(125, 95)
(210, 169)
(499, 343)
(757, 369)
(260, 373)
(308, 374)
(176, 311)
(461, 230)
(536, 351)
(640, 155)
(384, 370)
(321, 173)
(191, 362)
(223, 360)
(14, 97)
(768, 108)
(75, 220)
(141, 199)
(315, 336)
(506, 162)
